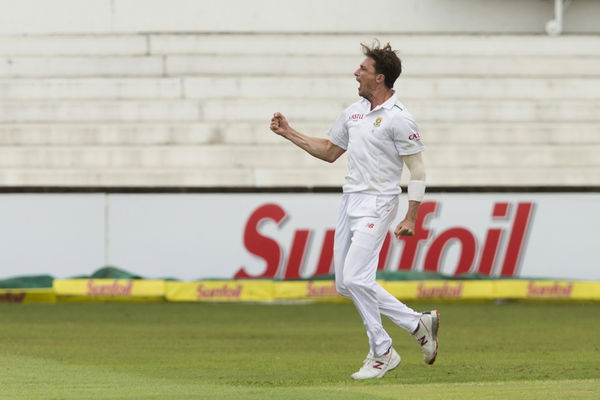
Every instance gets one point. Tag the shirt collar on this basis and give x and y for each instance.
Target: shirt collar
(388, 104)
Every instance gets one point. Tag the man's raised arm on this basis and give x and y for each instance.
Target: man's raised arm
(317, 147)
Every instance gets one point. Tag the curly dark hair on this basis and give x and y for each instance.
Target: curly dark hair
(386, 60)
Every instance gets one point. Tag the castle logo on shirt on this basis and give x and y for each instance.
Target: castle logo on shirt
(415, 136)
(377, 121)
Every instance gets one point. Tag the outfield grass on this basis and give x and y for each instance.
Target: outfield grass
(239, 351)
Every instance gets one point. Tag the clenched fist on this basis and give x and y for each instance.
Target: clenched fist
(279, 124)
(405, 228)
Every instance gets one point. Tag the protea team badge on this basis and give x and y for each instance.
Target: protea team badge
(377, 121)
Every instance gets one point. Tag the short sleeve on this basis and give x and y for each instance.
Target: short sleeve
(406, 136)
(338, 134)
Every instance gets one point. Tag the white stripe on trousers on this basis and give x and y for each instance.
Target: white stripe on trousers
(362, 225)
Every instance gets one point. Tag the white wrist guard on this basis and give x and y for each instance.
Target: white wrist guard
(416, 190)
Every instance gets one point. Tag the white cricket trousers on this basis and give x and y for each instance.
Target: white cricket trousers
(361, 228)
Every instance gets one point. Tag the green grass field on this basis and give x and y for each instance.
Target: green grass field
(238, 351)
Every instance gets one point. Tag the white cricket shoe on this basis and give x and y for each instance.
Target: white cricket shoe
(377, 367)
(426, 335)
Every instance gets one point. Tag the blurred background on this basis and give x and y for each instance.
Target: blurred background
(135, 132)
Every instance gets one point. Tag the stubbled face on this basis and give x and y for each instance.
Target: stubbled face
(366, 77)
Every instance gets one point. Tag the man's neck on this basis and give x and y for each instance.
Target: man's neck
(379, 97)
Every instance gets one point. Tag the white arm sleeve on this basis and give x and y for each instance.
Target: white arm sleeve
(416, 185)
(416, 166)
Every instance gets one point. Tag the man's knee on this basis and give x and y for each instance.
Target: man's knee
(342, 290)
(352, 283)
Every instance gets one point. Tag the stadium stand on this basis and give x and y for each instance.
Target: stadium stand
(192, 110)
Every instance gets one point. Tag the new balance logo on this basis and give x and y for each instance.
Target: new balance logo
(422, 341)
(378, 364)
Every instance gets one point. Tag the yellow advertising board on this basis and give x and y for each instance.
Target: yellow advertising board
(510, 289)
(109, 289)
(23, 296)
(322, 291)
(217, 291)
(307, 290)
(438, 290)
(547, 290)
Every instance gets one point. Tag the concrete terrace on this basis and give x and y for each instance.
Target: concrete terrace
(192, 109)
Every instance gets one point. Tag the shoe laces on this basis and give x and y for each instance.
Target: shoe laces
(422, 329)
(371, 359)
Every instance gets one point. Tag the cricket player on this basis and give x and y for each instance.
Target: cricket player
(380, 136)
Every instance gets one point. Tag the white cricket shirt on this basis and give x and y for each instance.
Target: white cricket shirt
(375, 142)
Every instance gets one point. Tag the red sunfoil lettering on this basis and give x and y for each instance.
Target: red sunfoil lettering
(467, 254)
(492, 240)
(325, 264)
(445, 291)
(554, 290)
(500, 210)
(490, 251)
(516, 239)
(411, 243)
(223, 292)
(110, 289)
(262, 246)
(269, 250)
(10, 297)
(320, 291)
(296, 258)
(385, 251)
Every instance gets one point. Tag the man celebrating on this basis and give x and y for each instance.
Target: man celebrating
(380, 136)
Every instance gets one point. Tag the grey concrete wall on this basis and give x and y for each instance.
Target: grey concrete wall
(193, 109)
(331, 16)
(179, 92)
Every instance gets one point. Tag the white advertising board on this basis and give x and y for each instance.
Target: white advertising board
(192, 236)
